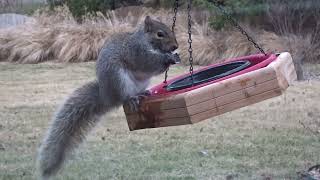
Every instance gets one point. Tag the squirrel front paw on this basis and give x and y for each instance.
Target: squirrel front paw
(134, 101)
(145, 94)
(173, 58)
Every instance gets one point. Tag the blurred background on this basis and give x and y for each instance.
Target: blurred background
(49, 48)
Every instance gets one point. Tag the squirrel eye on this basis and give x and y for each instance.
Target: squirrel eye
(160, 34)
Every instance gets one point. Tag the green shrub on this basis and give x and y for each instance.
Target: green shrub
(238, 9)
(217, 22)
(78, 8)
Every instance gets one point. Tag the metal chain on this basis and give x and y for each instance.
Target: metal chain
(175, 11)
(236, 25)
(174, 19)
(190, 41)
(229, 18)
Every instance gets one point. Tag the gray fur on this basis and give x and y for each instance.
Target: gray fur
(124, 67)
(70, 125)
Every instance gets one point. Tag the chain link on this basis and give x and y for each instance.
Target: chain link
(190, 40)
(175, 11)
(236, 25)
(174, 19)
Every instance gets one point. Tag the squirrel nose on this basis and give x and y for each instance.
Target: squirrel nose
(173, 47)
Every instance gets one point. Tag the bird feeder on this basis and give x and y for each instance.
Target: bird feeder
(214, 90)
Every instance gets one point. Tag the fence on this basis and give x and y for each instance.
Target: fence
(10, 19)
(20, 6)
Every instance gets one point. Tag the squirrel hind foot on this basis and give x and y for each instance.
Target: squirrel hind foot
(134, 102)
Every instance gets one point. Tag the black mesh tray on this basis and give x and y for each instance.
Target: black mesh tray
(208, 75)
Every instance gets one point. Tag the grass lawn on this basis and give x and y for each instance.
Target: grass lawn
(262, 141)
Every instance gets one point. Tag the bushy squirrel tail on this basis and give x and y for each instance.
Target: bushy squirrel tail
(70, 125)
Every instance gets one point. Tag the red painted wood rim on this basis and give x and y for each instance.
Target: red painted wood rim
(257, 61)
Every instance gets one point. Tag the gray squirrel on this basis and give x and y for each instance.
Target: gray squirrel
(124, 67)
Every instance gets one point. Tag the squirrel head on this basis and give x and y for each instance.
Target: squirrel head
(160, 35)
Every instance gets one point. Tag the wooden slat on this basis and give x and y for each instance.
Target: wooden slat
(138, 121)
(174, 121)
(173, 113)
(204, 115)
(229, 85)
(201, 107)
(160, 103)
(249, 101)
(199, 95)
(246, 80)
(174, 101)
(247, 92)
(142, 121)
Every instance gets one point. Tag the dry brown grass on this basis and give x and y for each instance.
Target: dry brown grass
(57, 36)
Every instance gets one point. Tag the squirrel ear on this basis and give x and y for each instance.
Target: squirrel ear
(147, 24)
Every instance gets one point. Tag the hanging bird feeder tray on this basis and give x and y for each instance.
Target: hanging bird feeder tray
(214, 90)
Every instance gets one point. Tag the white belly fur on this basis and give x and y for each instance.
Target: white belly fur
(133, 86)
